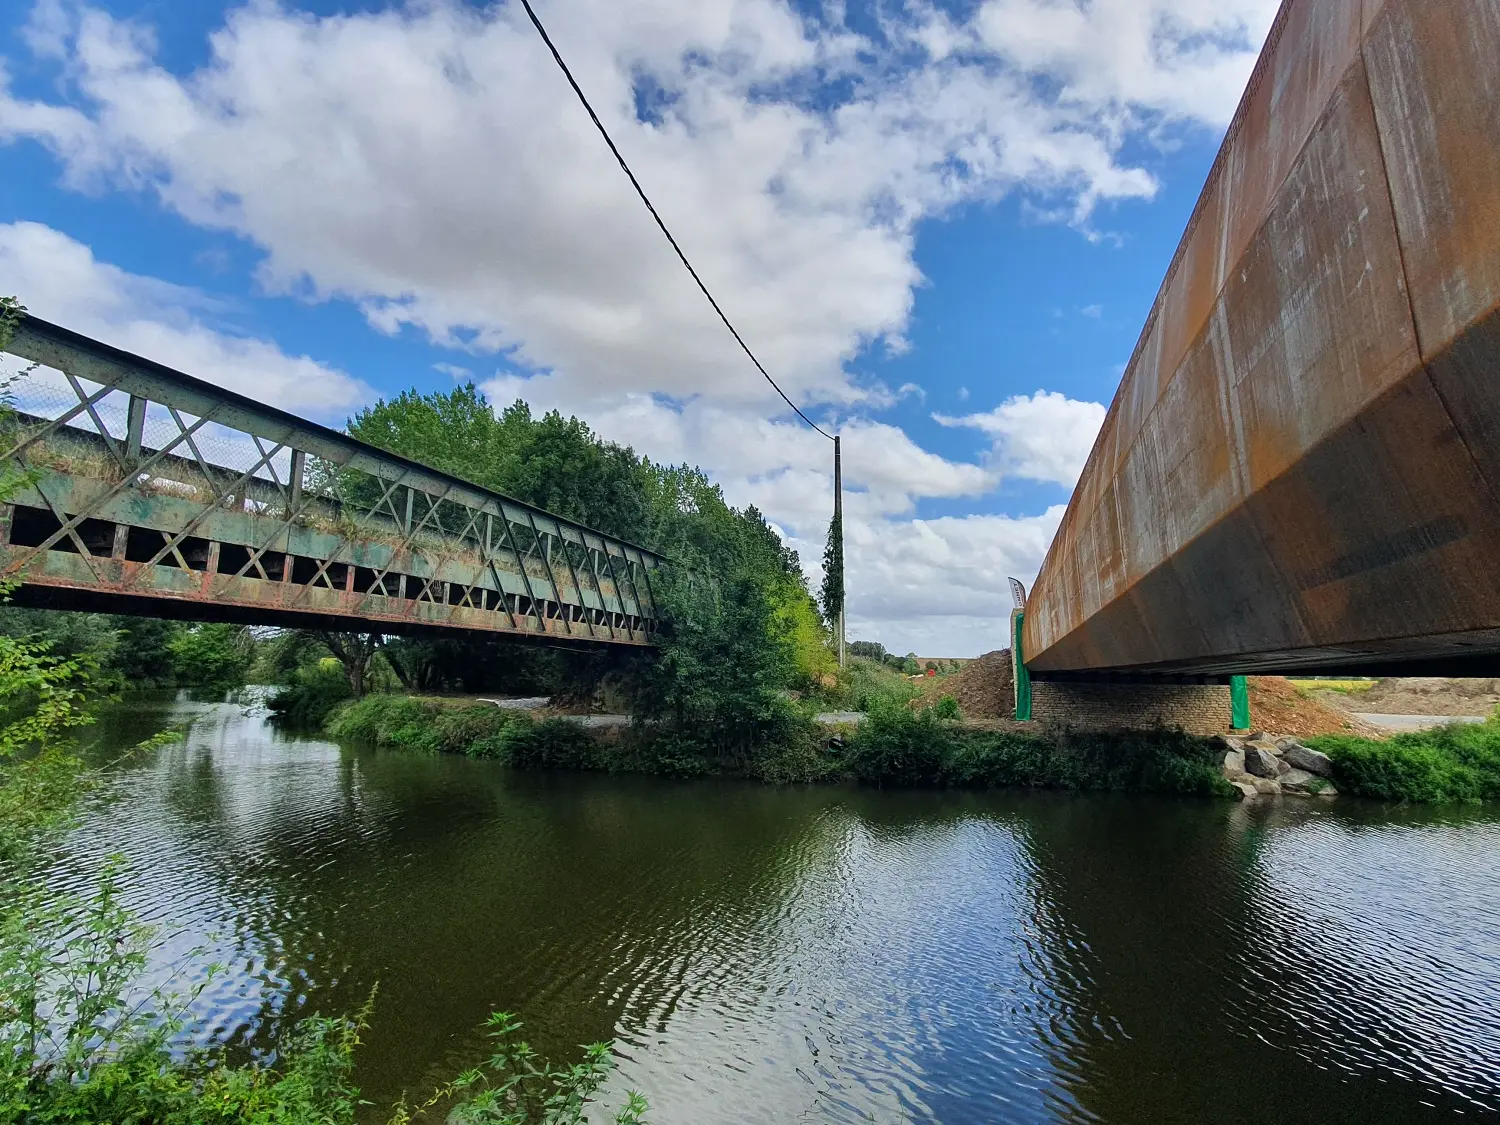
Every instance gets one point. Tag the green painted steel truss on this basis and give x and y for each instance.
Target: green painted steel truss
(137, 488)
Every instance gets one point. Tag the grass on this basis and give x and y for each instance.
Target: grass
(867, 684)
(1346, 687)
(1450, 764)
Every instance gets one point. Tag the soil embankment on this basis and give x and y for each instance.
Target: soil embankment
(1427, 695)
(985, 695)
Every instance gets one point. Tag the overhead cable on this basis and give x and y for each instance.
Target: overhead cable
(603, 132)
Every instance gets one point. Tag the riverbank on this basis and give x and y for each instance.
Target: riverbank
(898, 746)
(893, 746)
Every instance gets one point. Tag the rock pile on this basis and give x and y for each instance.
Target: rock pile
(1266, 766)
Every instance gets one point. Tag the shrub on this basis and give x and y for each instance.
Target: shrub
(921, 748)
(867, 684)
(553, 744)
(946, 708)
(387, 721)
(315, 691)
(1458, 762)
(899, 745)
(212, 656)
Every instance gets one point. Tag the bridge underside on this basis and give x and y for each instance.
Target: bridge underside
(290, 599)
(1301, 469)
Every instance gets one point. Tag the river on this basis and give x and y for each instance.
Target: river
(818, 954)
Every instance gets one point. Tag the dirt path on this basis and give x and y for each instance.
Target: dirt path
(1422, 696)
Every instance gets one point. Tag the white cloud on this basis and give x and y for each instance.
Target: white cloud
(429, 164)
(60, 280)
(1181, 58)
(1093, 312)
(938, 587)
(1045, 436)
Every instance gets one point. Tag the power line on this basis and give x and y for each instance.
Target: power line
(640, 191)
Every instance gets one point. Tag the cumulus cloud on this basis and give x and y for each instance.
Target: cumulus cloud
(1180, 58)
(1045, 436)
(427, 163)
(60, 280)
(938, 587)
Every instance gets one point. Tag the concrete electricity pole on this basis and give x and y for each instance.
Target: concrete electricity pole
(838, 524)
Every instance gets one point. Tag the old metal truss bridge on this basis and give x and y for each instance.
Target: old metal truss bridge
(134, 488)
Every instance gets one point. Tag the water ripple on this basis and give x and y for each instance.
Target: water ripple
(821, 955)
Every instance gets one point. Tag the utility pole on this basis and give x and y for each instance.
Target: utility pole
(838, 523)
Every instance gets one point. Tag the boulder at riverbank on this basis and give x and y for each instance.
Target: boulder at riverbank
(1266, 766)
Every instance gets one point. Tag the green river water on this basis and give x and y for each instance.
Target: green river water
(819, 954)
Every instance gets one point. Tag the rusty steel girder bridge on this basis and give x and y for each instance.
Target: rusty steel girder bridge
(1300, 471)
(138, 489)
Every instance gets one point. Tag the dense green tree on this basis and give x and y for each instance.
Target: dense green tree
(744, 628)
(214, 655)
(553, 462)
(126, 652)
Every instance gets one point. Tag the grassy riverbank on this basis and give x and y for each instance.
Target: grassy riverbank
(895, 746)
(899, 746)
(1454, 763)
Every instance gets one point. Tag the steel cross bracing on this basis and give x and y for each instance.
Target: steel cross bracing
(137, 488)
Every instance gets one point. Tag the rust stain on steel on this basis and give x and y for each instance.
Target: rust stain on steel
(1302, 461)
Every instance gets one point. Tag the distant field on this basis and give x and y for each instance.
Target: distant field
(1348, 687)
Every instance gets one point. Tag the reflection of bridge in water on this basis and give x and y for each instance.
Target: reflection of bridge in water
(144, 490)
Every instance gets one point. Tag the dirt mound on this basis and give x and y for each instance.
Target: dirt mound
(1428, 695)
(1277, 706)
(982, 688)
(984, 694)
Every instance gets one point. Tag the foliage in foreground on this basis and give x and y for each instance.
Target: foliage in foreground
(1458, 762)
(43, 698)
(80, 1041)
(515, 1086)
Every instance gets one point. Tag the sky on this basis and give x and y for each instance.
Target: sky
(939, 223)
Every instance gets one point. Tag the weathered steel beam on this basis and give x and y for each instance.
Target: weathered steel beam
(1301, 467)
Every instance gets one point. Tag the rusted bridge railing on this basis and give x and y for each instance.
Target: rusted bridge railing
(145, 490)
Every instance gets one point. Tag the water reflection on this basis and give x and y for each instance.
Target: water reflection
(823, 955)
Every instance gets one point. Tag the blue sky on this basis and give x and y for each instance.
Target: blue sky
(940, 225)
